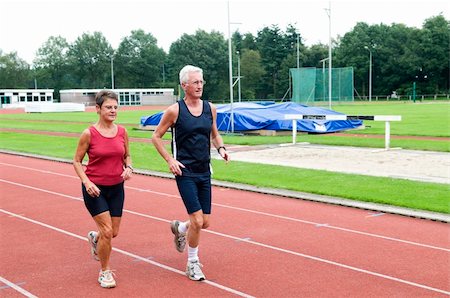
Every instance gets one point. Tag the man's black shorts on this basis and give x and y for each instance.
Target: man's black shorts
(195, 192)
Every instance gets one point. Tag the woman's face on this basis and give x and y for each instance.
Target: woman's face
(108, 110)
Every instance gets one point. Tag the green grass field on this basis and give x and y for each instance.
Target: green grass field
(417, 195)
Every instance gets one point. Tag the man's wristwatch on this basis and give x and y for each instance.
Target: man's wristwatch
(131, 168)
(218, 149)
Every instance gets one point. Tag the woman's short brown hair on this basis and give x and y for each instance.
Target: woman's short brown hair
(102, 95)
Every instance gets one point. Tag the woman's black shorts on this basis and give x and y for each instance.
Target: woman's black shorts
(111, 199)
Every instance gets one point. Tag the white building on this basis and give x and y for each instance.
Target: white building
(127, 97)
(19, 97)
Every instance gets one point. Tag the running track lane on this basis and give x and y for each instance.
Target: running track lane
(258, 245)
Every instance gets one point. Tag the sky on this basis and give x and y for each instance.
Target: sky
(27, 24)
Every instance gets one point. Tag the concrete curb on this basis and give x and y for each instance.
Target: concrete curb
(286, 193)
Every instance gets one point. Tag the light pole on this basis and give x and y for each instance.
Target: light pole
(323, 75)
(298, 49)
(230, 69)
(329, 54)
(239, 75)
(370, 72)
(112, 71)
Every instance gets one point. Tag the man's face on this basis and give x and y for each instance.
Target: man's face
(194, 86)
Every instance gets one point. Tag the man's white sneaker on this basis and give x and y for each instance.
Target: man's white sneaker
(106, 279)
(179, 238)
(194, 270)
(92, 238)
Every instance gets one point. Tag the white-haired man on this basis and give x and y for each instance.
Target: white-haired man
(193, 121)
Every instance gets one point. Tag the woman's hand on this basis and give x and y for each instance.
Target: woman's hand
(92, 189)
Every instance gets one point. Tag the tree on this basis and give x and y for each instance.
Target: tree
(51, 65)
(14, 72)
(314, 54)
(350, 52)
(90, 58)
(252, 73)
(138, 62)
(208, 51)
(236, 41)
(434, 50)
(274, 47)
(248, 42)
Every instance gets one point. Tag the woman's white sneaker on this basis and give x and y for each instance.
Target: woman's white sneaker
(106, 279)
(92, 239)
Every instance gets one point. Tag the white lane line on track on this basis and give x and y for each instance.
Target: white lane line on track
(254, 243)
(17, 288)
(257, 212)
(129, 254)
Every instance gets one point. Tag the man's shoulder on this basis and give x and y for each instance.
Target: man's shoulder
(172, 109)
(211, 105)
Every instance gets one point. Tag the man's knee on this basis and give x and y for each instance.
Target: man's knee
(197, 223)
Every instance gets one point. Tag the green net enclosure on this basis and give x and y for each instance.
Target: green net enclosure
(310, 84)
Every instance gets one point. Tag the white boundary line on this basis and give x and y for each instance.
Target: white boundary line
(257, 212)
(17, 288)
(129, 254)
(227, 236)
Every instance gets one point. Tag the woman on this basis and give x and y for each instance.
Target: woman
(103, 180)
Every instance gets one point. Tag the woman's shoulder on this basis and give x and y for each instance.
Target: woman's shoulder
(121, 129)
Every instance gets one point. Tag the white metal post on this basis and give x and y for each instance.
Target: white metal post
(298, 49)
(370, 76)
(239, 75)
(329, 54)
(112, 72)
(230, 70)
(370, 72)
(387, 135)
(294, 131)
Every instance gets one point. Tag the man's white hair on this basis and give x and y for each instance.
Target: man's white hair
(184, 72)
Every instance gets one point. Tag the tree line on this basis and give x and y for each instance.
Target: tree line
(401, 55)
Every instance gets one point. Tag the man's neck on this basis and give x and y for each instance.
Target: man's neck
(192, 101)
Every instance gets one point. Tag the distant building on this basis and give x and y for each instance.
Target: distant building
(127, 97)
(20, 97)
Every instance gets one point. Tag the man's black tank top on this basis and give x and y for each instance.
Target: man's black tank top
(191, 139)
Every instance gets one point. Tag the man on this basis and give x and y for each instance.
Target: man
(194, 129)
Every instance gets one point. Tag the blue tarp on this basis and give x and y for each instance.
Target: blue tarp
(253, 116)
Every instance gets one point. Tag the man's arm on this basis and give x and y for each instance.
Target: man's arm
(167, 120)
(216, 138)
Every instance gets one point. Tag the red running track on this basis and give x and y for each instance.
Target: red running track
(258, 245)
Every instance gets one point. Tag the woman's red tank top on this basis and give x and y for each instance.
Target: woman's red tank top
(106, 157)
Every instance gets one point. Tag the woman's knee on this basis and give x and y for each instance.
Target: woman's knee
(115, 233)
(107, 233)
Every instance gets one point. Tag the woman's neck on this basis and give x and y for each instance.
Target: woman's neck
(105, 124)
